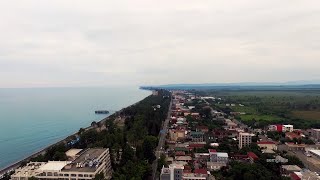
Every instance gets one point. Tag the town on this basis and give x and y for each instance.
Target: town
(205, 143)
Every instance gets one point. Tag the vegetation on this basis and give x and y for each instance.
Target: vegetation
(137, 140)
(298, 107)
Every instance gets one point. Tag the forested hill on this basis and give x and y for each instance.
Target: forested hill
(132, 142)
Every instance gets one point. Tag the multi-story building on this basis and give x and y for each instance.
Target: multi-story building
(173, 172)
(218, 156)
(245, 139)
(85, 166)
(197, 136)
(315, 134)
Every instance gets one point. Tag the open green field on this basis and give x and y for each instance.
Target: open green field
(299, 107)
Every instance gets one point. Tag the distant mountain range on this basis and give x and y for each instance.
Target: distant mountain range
(243, 85)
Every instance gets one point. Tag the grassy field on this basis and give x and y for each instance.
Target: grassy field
(308, 115)
(300, 108)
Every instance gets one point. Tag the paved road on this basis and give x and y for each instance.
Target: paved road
(162, 139)
(307, 161)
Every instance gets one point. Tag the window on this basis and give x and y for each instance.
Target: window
(66, 174)
(73, 175)
(80, 175)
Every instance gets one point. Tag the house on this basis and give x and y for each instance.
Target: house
(295, 147)
(184, 158)
(220, 134)
(204, 129)
(252, 157)
(176, 134)
(304, 175)
(315, 134)
(281, 128)
(287, 169)
(267, 146)
(293, 135)
(193, 146)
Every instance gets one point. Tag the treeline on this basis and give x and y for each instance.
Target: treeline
(132, 146)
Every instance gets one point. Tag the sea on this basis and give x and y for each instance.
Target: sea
(33, 118)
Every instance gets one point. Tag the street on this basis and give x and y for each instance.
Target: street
(162, 139)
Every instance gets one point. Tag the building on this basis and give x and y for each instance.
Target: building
(245, 139)
(287, 128)
(267, 146)
(252, 157)
(315, 134)
(287, 169)
(173, 172)
(218, 156)
(316, 153)
(215, 166)
(197, 136)
(88, 163)
(176, 135)
(295, 147)
(281, 128)
(304, 175)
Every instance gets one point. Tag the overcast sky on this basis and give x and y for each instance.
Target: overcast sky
(147, 42)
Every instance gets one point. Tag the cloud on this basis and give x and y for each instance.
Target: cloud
(87, 43)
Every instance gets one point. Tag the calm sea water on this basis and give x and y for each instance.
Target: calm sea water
(31, 119)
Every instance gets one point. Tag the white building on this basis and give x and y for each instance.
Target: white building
(287, 128)
(245, 139)
(86, 165)
(218, 156)
(174, 172)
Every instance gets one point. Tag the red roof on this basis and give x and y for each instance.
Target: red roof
(294, 176)
(180, 153)
(266, 142)
(212, 150)
(200, 171)
(253, 155)
(196, 145)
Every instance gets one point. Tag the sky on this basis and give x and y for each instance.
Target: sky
(45, 43)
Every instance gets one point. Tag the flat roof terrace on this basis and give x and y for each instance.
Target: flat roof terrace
(87, 162)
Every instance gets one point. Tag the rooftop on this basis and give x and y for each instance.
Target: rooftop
(73, 152)
(291, 167)
(88, 160)
(54, 165)
(266, 142)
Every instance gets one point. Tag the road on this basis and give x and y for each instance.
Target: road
(307, 161)
(161, 144)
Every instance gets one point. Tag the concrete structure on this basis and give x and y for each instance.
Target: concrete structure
(72, 154)
(174, 172)
(176, 135)
(287, 169)
(245, 139)
(267, 146)
(89, 163)
(218, 156)
(197, 136)
(315, 134)
(287, 128)
(315, 153)
(281, 128)
(304, 175)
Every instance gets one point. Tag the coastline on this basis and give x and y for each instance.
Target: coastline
(15, 165)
